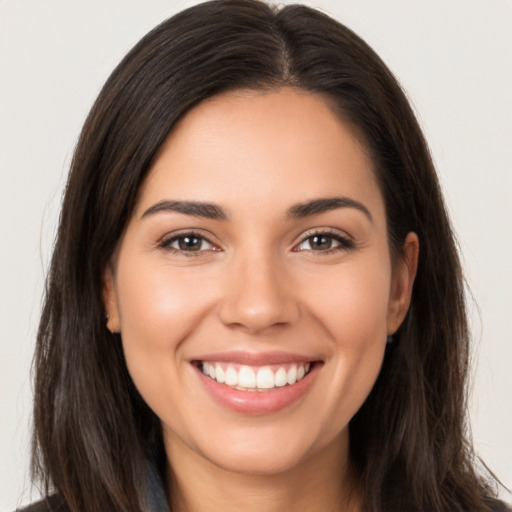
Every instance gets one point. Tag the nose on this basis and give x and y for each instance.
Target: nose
(258, 296)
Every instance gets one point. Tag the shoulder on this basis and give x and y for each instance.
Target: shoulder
(49, 504)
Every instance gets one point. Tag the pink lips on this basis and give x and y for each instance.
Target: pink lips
(257, 402)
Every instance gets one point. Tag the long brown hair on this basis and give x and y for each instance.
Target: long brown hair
(93, 434)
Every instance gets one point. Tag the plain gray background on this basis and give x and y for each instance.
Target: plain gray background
(453, 57)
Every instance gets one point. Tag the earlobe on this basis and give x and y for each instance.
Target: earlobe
(110, 301)
(403, 277)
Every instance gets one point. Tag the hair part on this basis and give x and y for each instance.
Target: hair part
(93, 433)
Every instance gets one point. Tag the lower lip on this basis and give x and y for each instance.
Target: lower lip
(258, 402)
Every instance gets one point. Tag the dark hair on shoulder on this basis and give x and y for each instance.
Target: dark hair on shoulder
(93, 433)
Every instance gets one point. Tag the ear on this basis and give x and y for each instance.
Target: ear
(403, 276)
(110, 300)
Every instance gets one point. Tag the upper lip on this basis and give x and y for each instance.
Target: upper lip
(255, 359)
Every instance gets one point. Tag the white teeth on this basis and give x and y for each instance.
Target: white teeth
(246, 378)
(265, 378)
(231, 376)
(255, 379)
(281, 378)
(292, 375)
(219, 373)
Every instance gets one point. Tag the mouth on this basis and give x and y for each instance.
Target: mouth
(256, 384)
(255, 378)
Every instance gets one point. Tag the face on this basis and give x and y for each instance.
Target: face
(253, 286)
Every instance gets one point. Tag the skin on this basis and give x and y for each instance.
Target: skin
(259, 285)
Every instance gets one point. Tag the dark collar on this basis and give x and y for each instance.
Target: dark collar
(156, 498)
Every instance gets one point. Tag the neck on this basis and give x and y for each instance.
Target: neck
(323, 483)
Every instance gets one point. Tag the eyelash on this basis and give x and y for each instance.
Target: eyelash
(166, 243)
(345, 243)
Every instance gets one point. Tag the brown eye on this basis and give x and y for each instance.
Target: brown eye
(320, 242)
(324, 242)
(188, 243)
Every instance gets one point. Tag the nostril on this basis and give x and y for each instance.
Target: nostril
(258, 314)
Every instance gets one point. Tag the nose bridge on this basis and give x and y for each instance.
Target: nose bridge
(256, 293)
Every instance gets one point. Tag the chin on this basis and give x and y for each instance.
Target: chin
(270, 450)
(262, 462)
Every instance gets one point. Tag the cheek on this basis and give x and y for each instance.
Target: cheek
(352, 302)
(159, 307)
(351, 305)
(159, 304)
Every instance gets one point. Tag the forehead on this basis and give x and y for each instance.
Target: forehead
(258, 146)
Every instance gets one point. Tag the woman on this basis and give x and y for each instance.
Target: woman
(255, 298)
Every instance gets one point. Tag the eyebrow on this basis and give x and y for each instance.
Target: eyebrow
(298, 211)
(317, 206)
(195, 208)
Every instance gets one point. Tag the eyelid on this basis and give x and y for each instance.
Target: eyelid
(165, 241)
(345, 240)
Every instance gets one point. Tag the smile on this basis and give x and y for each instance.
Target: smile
(251, 378)
(256, 384)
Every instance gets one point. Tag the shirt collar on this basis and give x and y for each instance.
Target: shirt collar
(156, 498)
